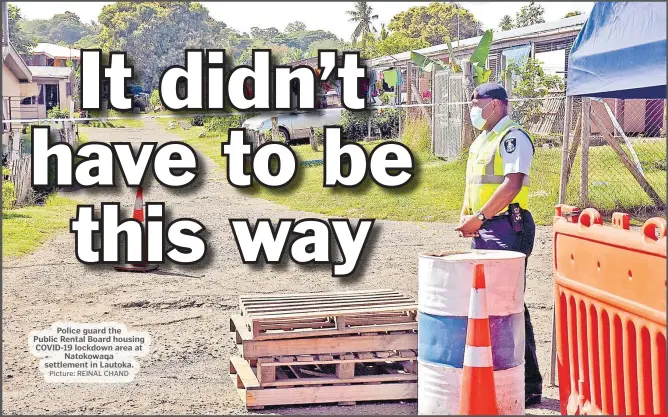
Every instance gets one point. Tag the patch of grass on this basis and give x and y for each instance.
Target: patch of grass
(434, 194)
(436, 191)
(24, 229)
(119, 123)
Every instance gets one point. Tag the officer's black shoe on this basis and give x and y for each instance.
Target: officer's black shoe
(532, 399)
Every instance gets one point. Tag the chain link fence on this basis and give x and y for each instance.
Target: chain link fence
(615, 161)
(621, 163)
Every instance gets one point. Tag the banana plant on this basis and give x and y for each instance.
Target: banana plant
(478, 59)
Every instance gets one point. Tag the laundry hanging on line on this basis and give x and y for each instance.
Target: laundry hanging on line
(373, 92)
(390, 77)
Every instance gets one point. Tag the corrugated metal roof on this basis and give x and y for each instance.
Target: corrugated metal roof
(571, 23)
(50, 72)
(56, 51)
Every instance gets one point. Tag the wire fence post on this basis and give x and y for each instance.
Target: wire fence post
(584, 170)
(368, 126)
(564, 149)
(433, 106)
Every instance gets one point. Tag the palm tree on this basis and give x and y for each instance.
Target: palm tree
(362, 15)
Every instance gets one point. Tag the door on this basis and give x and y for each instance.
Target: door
(51, 97)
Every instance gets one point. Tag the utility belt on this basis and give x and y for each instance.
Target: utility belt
(515, 214)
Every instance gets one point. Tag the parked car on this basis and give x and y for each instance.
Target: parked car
(294, 126)
(141, 100)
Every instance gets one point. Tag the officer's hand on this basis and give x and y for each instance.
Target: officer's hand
(469, 227)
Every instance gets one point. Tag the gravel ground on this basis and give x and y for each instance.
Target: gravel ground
(186, 310)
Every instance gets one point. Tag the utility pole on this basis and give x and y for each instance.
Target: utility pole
(5, 24)
(458, 37)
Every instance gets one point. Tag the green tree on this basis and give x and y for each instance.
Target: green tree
(383, 32)
(268, 34)
(529, 81)
(364, 17)
(66, 28)
(530, 14)
(155, 34)
(573, 13)
(303, 39)
(296, 26)
(435, 23)
(396, 42)
(506, 23)
(315, 46)
(22, 41)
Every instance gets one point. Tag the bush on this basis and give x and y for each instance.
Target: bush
(417, 135)
(319, 135)
(197, 121)
(221, 123)
(57, 113)
(155, 99)
(355, 123)
(8, 197)
(387, 121)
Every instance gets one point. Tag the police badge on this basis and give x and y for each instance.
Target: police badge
(509, 145)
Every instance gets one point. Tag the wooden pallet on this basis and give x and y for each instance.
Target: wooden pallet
(286, 316)
(337, 368)
(323, 348)
(293, 382)
(251, 348)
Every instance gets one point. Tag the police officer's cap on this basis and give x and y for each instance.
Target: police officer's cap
(490, 90)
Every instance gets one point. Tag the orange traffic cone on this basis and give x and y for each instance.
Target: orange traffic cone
(478, 390)
(138, 214)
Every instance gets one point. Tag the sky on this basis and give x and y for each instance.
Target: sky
(329, 16)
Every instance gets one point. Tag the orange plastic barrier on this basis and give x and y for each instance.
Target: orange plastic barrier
(610, 292)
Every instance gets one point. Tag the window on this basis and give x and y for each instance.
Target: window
(40, 95)
(68, 89)
(6, 114)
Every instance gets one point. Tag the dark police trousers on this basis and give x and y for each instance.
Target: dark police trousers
(498, 234)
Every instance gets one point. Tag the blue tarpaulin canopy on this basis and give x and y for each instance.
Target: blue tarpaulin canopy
(620, 52)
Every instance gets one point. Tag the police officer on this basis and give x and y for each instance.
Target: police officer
(495, 206)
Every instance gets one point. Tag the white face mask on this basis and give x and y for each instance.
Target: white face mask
(476, 117)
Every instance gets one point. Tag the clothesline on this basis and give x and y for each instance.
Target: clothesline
(215, 114)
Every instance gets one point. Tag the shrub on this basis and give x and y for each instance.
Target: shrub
(319, 135)
(197, 121)
(417, 135)
(385, 98)
(355, 123)
(8, 197)
(221, 123)
(57, 113)
(155, 99)
(387, 121)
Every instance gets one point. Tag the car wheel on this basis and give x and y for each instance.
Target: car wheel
(284, 135)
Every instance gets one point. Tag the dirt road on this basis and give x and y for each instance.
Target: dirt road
(186, 309)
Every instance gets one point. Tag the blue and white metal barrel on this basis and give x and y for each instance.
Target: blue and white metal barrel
(444, 290)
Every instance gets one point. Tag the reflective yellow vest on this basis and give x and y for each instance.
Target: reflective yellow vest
(484, 170)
